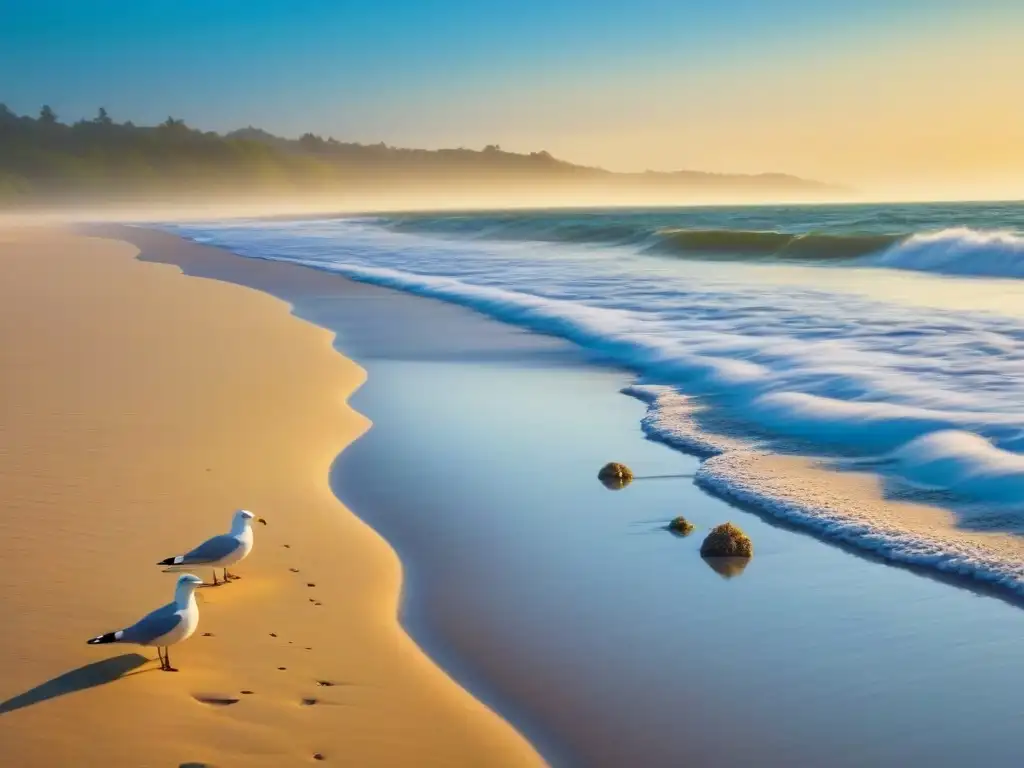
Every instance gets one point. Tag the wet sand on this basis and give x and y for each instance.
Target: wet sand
(572, 610)
(140, 407)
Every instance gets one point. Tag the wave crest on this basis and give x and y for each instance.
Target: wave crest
(770, 244)
(958, 251)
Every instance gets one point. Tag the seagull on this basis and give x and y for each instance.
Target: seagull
(165, 626)
(224, 550)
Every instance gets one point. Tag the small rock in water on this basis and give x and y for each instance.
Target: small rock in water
(681, 526)
(615, 476)
(727, 540)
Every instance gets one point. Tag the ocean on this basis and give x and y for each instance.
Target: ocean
(887, 338)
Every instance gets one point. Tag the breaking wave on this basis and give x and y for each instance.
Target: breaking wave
(959, 251)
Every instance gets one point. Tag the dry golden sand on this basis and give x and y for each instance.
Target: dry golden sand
(138, 409)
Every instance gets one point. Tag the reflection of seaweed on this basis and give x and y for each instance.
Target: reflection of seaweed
(615, 483)
(680, 526)
(727, 567)
(615, 476)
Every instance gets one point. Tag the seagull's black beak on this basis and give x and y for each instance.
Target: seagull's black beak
(261, 520)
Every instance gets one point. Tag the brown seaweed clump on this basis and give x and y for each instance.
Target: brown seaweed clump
(680, 526)
(727, 540)
(615, 476)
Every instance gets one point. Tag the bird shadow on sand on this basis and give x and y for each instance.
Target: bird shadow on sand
(81, 679)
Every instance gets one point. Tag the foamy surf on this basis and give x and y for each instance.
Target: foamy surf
(852, 510)
(732, 358)
(958, 251)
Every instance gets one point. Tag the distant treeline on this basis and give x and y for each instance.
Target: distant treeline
(43, 159)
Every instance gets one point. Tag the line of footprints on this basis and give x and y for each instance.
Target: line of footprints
(177, 621)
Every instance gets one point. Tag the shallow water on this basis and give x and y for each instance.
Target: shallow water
(610, 641)
(605, 638)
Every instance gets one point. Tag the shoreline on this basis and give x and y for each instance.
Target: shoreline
(134, 389)
(565, 674)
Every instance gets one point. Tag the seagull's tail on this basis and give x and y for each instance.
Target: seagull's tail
(110, 637)
(173, 560)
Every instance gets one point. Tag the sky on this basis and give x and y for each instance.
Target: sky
(897, 97)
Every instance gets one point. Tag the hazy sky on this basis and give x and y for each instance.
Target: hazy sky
(883, 94)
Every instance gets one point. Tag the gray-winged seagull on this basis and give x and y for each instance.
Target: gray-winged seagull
(165, 626)
(221, 551)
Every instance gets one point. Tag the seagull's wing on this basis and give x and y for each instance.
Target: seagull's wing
(152, 626)
(210, 551)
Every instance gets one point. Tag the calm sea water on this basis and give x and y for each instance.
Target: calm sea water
(892, 336)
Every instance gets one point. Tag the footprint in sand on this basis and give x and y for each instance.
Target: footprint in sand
(325, 683)
(282, 669)
(310, 584)
(215, 699)
(308, 702)
(273, 634)
(294, 570)
(318, 756)
(247, 693)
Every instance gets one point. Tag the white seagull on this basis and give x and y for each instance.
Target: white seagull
(165, 626)
(221, 551)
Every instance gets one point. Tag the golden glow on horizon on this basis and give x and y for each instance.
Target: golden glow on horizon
(911, 118)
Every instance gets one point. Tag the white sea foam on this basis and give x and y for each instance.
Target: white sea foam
(937, 393)
(810, 500)
(958, 251)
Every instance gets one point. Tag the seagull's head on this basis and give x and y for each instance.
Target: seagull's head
(189, 579)
(244, 516)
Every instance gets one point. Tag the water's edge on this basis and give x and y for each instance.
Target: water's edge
(530, 728)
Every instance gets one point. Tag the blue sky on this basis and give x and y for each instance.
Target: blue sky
(438, 72)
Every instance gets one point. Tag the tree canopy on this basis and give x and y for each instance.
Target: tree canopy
(45, 160)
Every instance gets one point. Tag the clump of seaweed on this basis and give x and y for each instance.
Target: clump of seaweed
(615, 476)
(680, 526)
(727, 540)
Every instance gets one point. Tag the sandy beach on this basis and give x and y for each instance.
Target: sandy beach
(140, 407)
